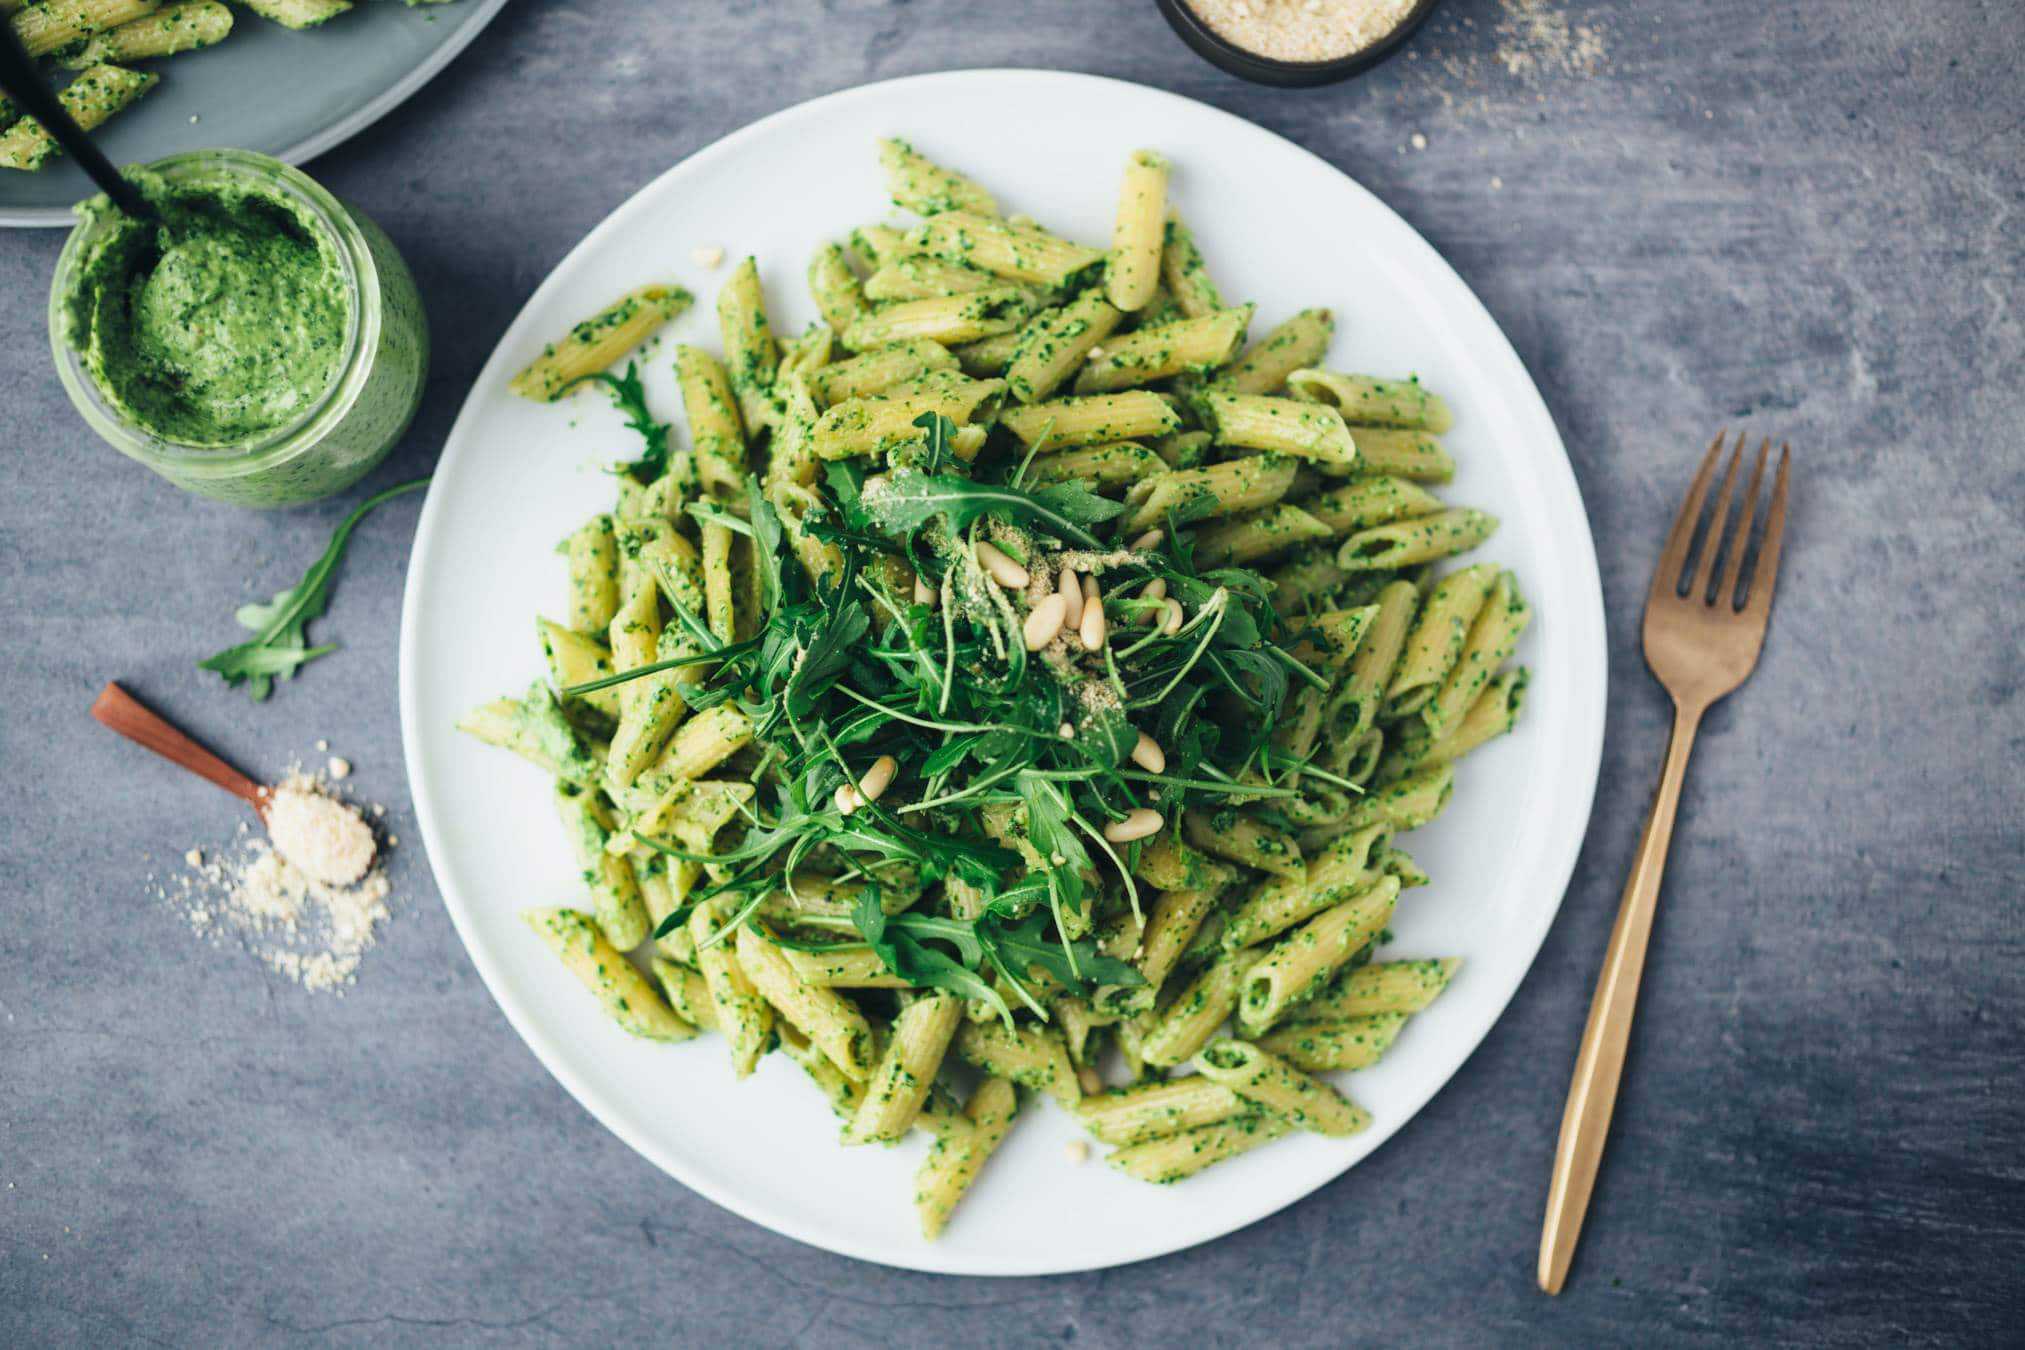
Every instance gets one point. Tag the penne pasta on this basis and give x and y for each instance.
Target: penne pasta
(1282, 426)
(1067, 423)
(956, 1156)
(596, 343)
(951, 319)
(1055, 341)
(899, 1084)
(1184, 274)
(1271, 1084)
(622, 991)
(1139, 233)
(1437, 637)
(1149, 354)
(1407, 542)
(91, 99)
(1298, 342)
(1365, 400)
(917, 183)
(1301, 965)
(1024, 253)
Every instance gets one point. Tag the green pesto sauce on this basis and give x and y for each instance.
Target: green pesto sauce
(225, 323)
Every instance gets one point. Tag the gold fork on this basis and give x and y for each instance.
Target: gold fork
(1701, 643)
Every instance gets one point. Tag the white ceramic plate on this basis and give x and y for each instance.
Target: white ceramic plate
(287, 94)
(1279, 226)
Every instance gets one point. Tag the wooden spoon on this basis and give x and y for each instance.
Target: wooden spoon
(124, 713)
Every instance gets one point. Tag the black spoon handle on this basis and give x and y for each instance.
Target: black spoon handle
(24, 83)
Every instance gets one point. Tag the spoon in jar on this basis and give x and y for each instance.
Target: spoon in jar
(320, 836)
(20, 79)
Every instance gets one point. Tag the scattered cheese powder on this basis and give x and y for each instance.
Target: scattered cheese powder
(1303, 30)
(308, 900)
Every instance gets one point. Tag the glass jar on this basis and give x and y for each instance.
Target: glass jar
(344, 430)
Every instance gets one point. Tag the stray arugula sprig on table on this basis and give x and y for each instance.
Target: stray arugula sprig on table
(280, 643)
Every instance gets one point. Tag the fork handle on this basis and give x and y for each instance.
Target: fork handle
(1592, 1096)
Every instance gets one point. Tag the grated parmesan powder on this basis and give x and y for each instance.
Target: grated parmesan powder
(307, 900)
(1303, 30)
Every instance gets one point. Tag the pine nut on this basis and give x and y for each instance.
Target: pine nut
(877, 778)
(1150, 539)
(1170, 618)
(1155, 589)
(1077, 1151)
(1067, 731)
(1087, 1079)
(924, 594)
(1003, 569)
(1071, 591)
(1148, 755)
(846, 798)
(1138, 825)
(1045, 623)
(1093, 628)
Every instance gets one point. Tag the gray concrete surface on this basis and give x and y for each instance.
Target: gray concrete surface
(1805, 219)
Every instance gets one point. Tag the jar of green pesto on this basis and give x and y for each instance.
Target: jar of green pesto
(262, 344)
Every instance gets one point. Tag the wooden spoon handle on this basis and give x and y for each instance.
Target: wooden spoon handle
(125, 714)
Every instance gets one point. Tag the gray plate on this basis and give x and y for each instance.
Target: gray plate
(291, 95)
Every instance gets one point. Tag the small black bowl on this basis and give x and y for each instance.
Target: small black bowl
(1221, 51)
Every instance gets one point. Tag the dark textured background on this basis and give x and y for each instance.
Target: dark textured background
(1802, 218)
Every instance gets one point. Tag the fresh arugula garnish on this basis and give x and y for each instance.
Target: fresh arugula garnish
(910, 499)
(279, 646)
(629, 396)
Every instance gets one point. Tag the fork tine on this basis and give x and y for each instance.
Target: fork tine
(1740, 533)
(1666, 573)
(1712, 542)
(1759, 607)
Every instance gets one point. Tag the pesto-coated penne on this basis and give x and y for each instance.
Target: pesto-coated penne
(987, 357)
(743, 1016)
(1022, 253)
(715, 427)
(1301, 965)
(1282, 426)
(1366, 502)
(623, 991)
(846, 968)
(1242, 540)
(1149, 354)
(1176, 1157)
(1032, 1056)
(879, 423)
(831, 1022)
(49, 27)
(951, 319)
(1493, 636)
(90, 99)
(1185, 1025)
(1139, 232)
(1407, 542)
(1243, 839)
(1407, 804)
(168, 31)
(1298, 342)
(1437, 637)
(1320, 1047)
(578, 658)
(1158, 1109)
(718, 605)
(1495, 712)
(1066, 423)
(1339, 871)
(919, 276)
(593, 554)
(876, 371)
(1055, 341)
(1378, 988)
(686, 992)
(1234, 486)
(598, 341)
(651, 706)
(835, 287)
(621, 913)
(751, 354)
(900, 1082)
(1366, 400)
(917, 183)
(956, 1156)
(1270, 1083)
(1184, 274)
(299, 14)
(1416, 455)
(536, 729)
(703, 742)
(1306, 580)
(1114, 465)
(875, 244)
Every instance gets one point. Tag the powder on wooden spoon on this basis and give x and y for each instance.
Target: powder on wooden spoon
(322, 837)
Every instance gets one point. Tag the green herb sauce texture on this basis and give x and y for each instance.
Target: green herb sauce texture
(224, 323)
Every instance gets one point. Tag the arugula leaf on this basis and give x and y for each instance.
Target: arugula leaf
(1026, 944)
(910, 499)
(278, 647)
(919, 964)
(629, 396)
(767, 545)
(939, 429)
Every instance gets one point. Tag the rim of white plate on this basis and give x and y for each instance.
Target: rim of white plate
(1562, 839)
